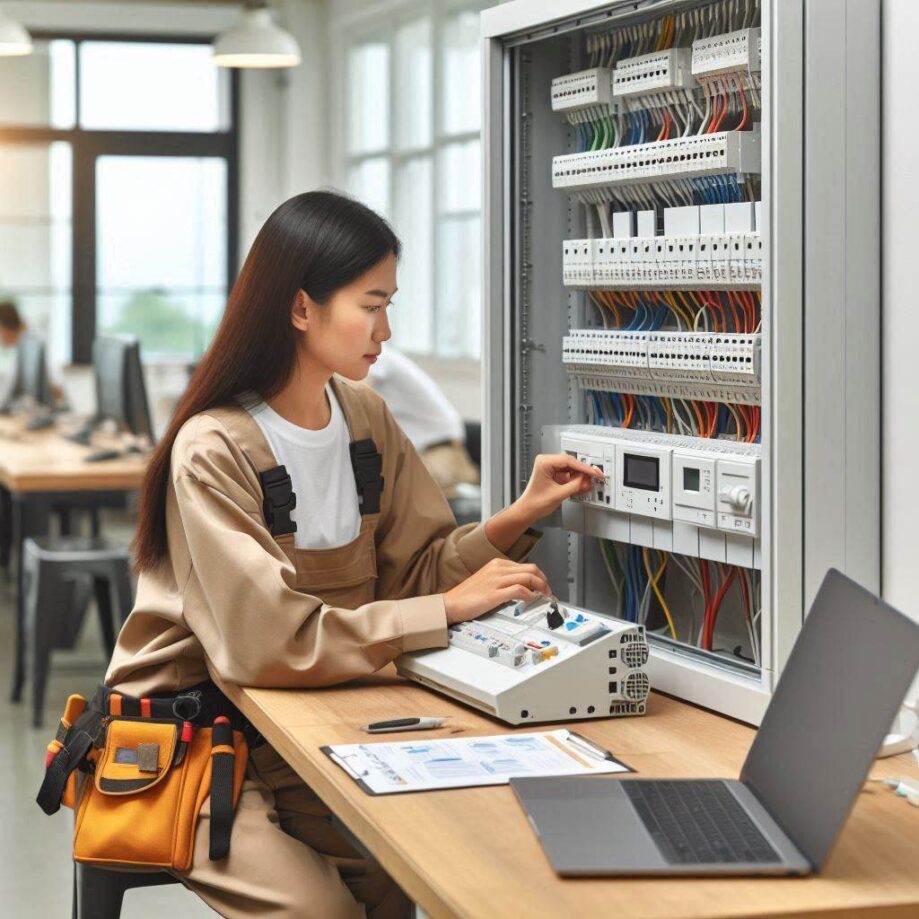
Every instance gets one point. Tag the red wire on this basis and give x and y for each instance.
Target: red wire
(716, 603)
(706, 596)
(735, 314)
(715, 110)
(716, 126)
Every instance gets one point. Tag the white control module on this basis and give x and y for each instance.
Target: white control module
(537, 662)
(696, 480)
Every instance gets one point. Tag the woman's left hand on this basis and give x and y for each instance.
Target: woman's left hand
(555, 477)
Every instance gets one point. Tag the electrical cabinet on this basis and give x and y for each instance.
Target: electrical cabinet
(682, 288)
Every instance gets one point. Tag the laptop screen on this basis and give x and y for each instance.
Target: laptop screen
(843, 683)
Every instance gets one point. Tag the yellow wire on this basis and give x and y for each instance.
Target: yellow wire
(688, 308)
(669, 412)
(600, 306)
(687, 319)
(737, 420)
(654, 579)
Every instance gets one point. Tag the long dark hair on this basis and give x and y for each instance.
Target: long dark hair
(317, 242)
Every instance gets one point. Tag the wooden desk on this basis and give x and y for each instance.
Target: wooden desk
(471, 852)
(41, 470)
(42, 462)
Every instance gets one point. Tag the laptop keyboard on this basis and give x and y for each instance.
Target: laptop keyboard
(698, 823)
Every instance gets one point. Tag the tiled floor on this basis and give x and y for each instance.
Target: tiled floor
(35, 866)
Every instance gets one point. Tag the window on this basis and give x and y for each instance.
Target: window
(409, 147)
(118, 163)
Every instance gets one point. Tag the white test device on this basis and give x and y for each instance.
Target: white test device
(542, 661)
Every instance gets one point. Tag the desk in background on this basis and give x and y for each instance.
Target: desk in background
(42, 470)
(471, 852)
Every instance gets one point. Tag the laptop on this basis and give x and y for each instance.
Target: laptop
(843, 683)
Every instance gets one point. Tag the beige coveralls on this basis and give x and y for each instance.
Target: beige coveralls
(238, 605)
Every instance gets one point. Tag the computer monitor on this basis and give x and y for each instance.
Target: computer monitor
(33, 371)
(121, 394)
(30, 380)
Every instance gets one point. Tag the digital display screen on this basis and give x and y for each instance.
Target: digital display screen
(641, 472)
(690, 479)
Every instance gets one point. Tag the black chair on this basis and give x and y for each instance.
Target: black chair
(58, 569)
(98, 893)
(474, 442)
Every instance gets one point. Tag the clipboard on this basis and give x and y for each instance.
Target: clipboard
(409, 766)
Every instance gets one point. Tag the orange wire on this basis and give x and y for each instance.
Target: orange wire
(629, 403)
(665, 127)
(695, 408)
(743, 102)
(611, 306)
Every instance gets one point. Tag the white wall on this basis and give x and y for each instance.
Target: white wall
(900, 332)
(284, 114)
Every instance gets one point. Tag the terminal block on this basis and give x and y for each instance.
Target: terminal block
(624, 354)
(657, 72)
(685, 357)
(735, 152)
(710, 261)
(732, 52)
(582, 90)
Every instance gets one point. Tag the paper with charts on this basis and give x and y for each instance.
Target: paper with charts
(462, 762)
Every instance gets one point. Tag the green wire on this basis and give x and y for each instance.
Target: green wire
(596, 141)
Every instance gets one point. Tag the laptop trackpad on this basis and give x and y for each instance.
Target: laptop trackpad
(587, 825)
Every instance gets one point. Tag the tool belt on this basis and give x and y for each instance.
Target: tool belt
(148, 766)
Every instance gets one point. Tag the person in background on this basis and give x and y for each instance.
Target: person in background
(11, 324)
(432, 424)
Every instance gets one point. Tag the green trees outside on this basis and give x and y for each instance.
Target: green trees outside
(163, 324)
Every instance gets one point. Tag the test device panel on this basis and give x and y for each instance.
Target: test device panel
(681, 288)
(544, 661)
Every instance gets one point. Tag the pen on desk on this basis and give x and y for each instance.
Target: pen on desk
(402, 724)
(587, 746)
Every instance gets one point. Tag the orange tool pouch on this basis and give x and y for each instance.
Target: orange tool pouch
(148, 778)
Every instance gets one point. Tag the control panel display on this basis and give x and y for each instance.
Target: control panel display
(641, 472)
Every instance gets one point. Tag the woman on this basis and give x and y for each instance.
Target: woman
(243, 585)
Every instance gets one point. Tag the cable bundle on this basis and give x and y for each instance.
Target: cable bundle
(681, 310)
(639, 576)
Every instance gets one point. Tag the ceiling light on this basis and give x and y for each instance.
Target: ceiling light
(256, 41)
(14, 39)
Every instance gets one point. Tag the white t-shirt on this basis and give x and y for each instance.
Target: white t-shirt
(319, 464)
(415, 400)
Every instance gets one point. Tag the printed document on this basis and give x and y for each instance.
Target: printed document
(461, 762)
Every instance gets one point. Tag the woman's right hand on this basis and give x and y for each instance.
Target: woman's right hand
(495, 583)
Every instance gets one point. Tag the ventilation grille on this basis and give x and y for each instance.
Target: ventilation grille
(635, 655)
(626, 708)
(636, 686)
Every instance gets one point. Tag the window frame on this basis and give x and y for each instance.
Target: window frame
(88, 145)
(382, 21)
